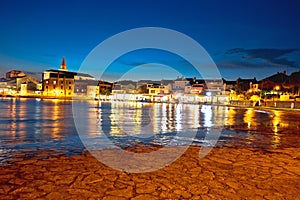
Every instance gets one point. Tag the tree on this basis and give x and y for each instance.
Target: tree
(142, 89)
(105, 92)
(238, 89)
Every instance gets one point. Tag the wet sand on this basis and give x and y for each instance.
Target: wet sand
(225, 173)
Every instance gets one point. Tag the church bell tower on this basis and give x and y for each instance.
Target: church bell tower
(63, 66)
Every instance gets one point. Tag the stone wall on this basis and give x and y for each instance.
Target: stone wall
(283, 104)
(277, 104)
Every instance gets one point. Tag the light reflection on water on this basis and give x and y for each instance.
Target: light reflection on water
(31, 125)
(28, 125)
(140, 118)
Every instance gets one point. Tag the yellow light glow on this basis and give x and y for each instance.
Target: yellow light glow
(230, 119)
(277, 125)
(276, 140)
(249, 117)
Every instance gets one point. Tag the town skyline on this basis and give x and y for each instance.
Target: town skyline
(51, 78)
(38, 76)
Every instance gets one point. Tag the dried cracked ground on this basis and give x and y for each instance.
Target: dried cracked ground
(225, 173)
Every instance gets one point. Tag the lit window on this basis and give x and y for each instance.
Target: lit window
(47, 82)
(54, 82)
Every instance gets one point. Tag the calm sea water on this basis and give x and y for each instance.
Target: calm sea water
(31, 126)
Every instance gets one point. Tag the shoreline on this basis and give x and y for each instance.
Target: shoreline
(268, 108)
(230, 173)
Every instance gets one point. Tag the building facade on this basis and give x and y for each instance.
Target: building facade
(18, 82)
(62, 83)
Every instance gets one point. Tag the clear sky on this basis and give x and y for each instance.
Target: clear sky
(251, 38)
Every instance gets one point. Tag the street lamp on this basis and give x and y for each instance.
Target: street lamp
(277, 88)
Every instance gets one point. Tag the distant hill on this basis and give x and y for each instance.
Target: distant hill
(294, 79)
(280, 77)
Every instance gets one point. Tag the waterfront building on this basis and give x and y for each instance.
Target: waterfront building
(168, 84)
(246, 84)
(292, 83)
(179, 85)
(13, 74)
(63, 83)
(153, 89)
(195, 86)
(142, 83)
(228, 85)
(124, 87)
(118, 89)
(6, 88)
(105, 87)
(19, 82)
(271, 82)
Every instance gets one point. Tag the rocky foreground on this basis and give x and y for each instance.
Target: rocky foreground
(225, 173)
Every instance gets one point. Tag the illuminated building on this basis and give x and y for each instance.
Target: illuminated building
(62, 82)
(180, 85)
(269, 83)
(18, 82)
(155, 89)
(124, 87)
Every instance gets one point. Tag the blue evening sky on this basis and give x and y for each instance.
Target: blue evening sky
(251, 38)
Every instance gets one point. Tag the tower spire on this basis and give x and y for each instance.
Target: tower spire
(63, 65)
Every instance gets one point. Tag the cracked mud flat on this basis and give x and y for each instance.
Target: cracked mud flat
(225, 173)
